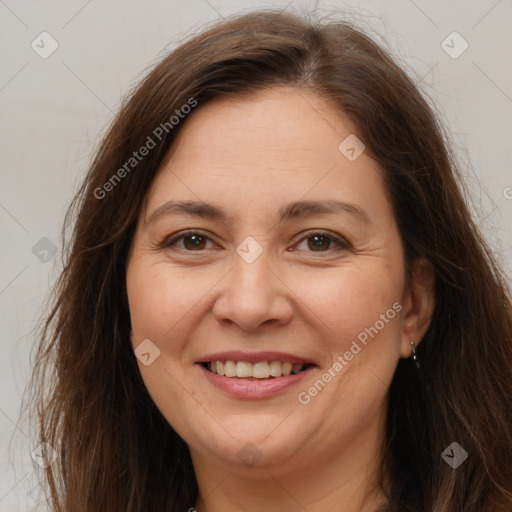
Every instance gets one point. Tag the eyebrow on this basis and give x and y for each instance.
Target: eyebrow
(298, 209)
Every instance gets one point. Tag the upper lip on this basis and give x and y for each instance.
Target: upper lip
(253, 357)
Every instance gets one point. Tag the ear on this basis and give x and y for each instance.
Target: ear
(418, 305)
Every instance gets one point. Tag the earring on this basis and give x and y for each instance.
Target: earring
(414, 356)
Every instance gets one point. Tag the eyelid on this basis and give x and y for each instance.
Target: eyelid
(340, 241)
(170, 240)
(337, 239)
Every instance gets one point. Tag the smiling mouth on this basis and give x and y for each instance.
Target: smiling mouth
(257, 371)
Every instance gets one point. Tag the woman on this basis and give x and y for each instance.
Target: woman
(275, 297)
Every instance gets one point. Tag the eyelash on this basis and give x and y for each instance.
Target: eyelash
(340, 242)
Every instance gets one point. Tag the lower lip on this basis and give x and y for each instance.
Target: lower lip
(264, 388)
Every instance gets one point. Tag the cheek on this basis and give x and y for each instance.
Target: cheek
(350, 300)
(149, 298)
(158, 302)
(160, 297)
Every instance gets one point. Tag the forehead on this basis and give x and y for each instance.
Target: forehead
(279, 145)
(272, 123)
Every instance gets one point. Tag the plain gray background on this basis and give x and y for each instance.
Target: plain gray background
(54, 109)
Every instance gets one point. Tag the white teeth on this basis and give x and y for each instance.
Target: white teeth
(243, 369)
(230, 369)
(286, 368)
(261, 370)
(275, 368)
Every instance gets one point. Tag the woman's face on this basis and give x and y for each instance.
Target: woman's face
(263, 245)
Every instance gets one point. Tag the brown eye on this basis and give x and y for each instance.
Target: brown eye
(188, 242)
(323, 242)
(319, 242)
(192, 242)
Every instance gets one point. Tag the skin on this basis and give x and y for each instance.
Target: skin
(250, 156)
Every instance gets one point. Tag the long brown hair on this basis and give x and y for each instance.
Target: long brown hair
(116, 451)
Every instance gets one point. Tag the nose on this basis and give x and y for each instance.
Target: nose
(253, 295)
